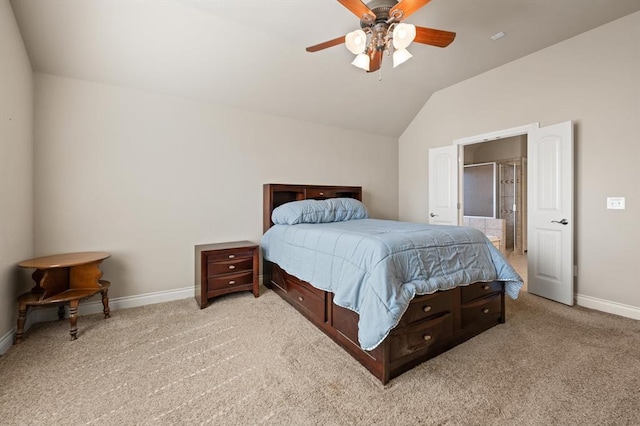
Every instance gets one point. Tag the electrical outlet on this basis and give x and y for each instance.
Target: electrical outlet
(615, 203)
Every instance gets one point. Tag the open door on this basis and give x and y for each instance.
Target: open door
(443, 185)
(550, 212)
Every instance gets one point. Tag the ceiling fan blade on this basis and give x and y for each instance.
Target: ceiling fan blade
(358, 8)
(433, 37)
(326, 44)
(408, 7)
(376, 60)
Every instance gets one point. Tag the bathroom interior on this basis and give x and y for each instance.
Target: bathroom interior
(495, 195)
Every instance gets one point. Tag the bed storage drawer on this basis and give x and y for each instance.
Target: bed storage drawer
(430, 305)
(306, 298)
(482, 312)
(420, 337)
(475, 291)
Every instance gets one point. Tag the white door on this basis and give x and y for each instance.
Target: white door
(550, 212)
(443, 185)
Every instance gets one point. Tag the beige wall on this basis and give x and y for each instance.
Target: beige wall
(147, 176)
(16, 168)
(592, 79)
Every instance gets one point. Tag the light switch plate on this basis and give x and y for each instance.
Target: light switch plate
(615, 203)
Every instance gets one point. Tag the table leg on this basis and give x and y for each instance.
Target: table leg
(73, 319)
(105, 302)
(22, 316)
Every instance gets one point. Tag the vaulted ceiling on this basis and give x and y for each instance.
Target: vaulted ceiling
(251, 54)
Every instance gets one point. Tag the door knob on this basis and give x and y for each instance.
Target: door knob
(433, 214)
(562, 222)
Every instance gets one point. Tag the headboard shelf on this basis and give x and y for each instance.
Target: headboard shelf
(276, 194)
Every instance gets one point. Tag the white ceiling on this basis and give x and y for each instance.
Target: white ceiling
(251, 53)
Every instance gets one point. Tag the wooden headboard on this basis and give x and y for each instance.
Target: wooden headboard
(276, 194)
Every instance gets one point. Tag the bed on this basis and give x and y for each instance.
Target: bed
(388, 323)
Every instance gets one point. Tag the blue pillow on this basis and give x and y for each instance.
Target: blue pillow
(319, 211)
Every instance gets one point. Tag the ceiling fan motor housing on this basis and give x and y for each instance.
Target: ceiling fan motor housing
(379, 27)
(381, 9)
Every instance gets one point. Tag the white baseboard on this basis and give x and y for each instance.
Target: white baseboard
(608, 306)
(7, 340)
(95, 306)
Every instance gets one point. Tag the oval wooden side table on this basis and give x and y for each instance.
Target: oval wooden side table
(61, 279)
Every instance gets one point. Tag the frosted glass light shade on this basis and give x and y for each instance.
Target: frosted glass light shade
(400, 56)
(356, 41)
(403, 35)
(361, 61)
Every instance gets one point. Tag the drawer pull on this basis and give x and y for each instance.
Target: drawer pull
(485, 287)
(300, 298)
(232, 282)
(426, 337)
(231, 256)
(426, 308)
(322, 193)
(485, 311)
(232, 266)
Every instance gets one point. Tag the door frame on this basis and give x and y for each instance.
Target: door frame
(485, 137)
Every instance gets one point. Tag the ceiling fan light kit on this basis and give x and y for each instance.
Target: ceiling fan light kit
(400, 56)
(383, 32)
(361, 61)
(403, 35)
(356, 41)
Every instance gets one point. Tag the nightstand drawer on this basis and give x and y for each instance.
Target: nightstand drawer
(229, 255)
(227, 266)
(222, 282)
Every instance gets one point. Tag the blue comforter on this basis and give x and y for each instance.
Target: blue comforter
(375, 267)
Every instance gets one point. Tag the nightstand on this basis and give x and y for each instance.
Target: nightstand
(224, 268)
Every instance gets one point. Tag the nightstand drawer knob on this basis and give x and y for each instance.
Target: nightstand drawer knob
(232, 282)
(485, 311)
(485, 287)
(231, 256)
(426, 337)
(322, 193)
(300, 298)
(426, 308)
(232, 266)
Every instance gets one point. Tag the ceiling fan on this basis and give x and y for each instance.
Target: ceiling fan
(382, 30)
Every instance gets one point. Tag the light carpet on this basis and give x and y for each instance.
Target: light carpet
(247, 361)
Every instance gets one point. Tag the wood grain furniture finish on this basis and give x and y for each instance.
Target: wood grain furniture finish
(431, 325)
(225, 268)
(63, 279)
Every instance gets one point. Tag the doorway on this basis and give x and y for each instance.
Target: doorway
(549, 207)
(508, 194)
